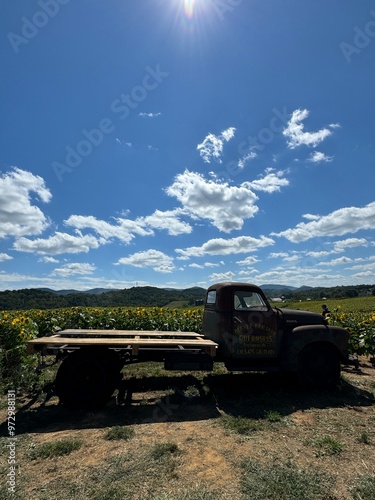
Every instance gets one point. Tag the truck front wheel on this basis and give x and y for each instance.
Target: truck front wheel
(319, 367)
(87, 378)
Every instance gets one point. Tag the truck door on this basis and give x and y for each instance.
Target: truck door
(254, 326)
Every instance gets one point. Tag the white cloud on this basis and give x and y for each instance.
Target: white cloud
(228, 134)
(57, 244)
(196, 266)
(365, 274)
(295, 131)
(270, 183)
(318, 157)
(167, 220)
(123, 143)
(317, 254)
(74, 269)
(149, 115)
(221, 246)
(246, 158)
(286, 257)
(298, 276)
(364, 267)
(337, 262)
(225, 206)
(212, 145)
(342, 221)
(5, 256)
(342, 245)
(277, 255)
(49, 260)
(211, 148)
(249, 261)
(220, 277)
(311, 216)
(247, 273)
(292, 258)
(18, 215)
(206, 264)
(159, 261)
(124, 230)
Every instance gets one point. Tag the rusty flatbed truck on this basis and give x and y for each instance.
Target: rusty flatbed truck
(240, 328)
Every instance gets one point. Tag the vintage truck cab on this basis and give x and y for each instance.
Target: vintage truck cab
(253, 336)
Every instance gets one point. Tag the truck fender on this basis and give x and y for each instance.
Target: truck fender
(319, 366)
(302, 336)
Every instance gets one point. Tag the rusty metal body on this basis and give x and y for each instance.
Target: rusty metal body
(249, 332)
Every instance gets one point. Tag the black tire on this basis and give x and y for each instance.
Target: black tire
(319, 367)
(87, 378)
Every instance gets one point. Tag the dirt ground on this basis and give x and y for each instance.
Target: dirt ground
(189, 410)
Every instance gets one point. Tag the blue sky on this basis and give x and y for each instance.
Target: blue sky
(181, 143)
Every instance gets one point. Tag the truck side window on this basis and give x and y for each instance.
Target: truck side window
(211, 297)
(248, 300)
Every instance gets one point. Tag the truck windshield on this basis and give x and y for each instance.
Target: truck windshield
(248, 300)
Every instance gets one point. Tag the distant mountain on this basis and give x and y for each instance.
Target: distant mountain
(67, 292)
(277, 287)
(136, 296)
(285, 287)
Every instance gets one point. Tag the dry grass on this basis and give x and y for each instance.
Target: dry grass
(194, 436)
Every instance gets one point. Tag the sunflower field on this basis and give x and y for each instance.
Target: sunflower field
(361, 326)
(18, 369)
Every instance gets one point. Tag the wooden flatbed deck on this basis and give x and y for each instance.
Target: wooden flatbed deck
(131, 340)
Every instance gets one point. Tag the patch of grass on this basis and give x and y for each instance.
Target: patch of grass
(146, 471)
(55, 448)
(119, 432)
(146, 370)
(192, 391)
(195, 493)
(111, 492)
(273, 416)
(162, 450)
(284, 481)
(364, 488)
(364, 438)
(240, 425)
(327, 446)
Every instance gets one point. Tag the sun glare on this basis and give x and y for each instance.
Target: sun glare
(189, 8)
(192, 17)
(193, 8)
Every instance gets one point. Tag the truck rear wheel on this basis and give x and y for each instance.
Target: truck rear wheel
(87, 378)
(319, 367)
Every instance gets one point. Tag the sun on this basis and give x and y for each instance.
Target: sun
(189, 7)
(192, 8)
(192, 17)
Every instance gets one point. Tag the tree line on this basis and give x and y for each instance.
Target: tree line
(137, 296)
(34, 298)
